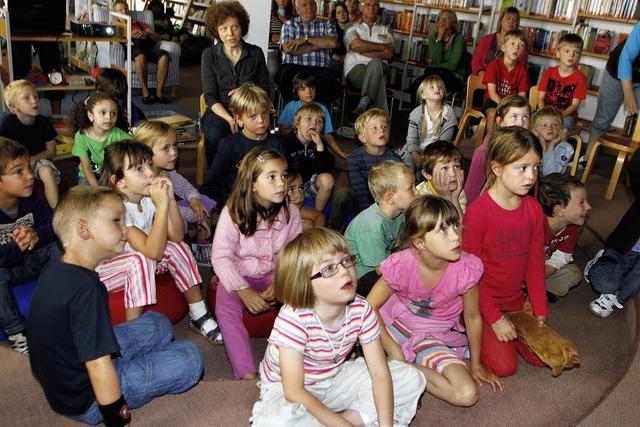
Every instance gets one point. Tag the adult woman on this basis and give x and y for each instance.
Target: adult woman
(447, 50)
(340, 15)
(225, 67)
(489, 46)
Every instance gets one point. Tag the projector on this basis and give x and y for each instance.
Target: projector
(99, 29)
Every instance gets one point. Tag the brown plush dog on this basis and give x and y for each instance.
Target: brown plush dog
(557, 352)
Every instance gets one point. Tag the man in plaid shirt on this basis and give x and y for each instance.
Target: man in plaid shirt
(306, 43)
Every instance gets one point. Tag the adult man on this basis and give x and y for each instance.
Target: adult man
(369, 46)
(306, 44)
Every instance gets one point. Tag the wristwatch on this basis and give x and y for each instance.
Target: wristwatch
(306, 38)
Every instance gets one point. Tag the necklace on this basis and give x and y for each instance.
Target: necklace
(336, 356)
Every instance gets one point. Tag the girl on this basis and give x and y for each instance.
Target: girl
(310, 217)
(420, 296)
(430, 121)
(513, 110)
(254, 225)
(94, 122)
(306, 377)
(194, 207)
(154, 241)
(505, 228)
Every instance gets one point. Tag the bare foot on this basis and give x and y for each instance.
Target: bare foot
(250, 376)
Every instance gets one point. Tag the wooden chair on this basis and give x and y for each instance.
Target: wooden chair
(474, 83)
(625, 147)
(201, 158)
(576, 154)
(533, 98)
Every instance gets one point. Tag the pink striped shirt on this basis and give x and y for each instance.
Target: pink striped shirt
(301, 330)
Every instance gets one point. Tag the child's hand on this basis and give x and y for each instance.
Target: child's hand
(269, 295)
(315, 137)
(504, 330)
(440, 182)
(253, 301)
(206, 227)
(542, 320)
(199, 210)
(159, 194)
(481, 375)
(168, 185)
(455, 194)
(25, 237)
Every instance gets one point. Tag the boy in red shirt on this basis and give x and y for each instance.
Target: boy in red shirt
(505, 75)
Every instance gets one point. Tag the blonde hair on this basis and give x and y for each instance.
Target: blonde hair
(548, 112)
(292, 277)
(79, 202)
(12, 89)
(248, 99)
(507, 145)
(364, 118)
(424, 214)
(518, 34)
(437, 121)
(311, 108)
(150, 132)
(506, 11)
(384, 177)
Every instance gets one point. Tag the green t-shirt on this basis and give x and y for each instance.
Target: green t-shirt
(372, 236)
(83, 145)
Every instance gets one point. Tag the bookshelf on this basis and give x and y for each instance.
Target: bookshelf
(190, 14)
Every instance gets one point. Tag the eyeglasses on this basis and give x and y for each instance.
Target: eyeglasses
(332, 269)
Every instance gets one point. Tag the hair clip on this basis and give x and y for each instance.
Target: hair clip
(86, 100)
(260, 158)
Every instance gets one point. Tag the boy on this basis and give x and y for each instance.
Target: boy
(306, 153)
(565, 86)
(251, 106)
(373, 234)
(556, 153)
(304, 83)
(27, 241)
(564, 202)
(373, 132)
(90, 371)
(505, 75)
(33, 130)
(295, 191)
(444, 177)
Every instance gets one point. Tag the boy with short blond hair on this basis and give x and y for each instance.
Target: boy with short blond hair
(27, 126)
(565, 85)
(27, 241)
(373, 131)
(251, 107)
(90, 371)
(556, 152)
(443, 174)
(373, 233)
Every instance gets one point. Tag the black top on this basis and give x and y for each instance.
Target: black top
(68, 325)
(627, 232)
(219, 75)
(222, 173)
(33, 136)
(307, 160)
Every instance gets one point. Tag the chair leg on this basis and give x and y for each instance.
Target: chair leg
(174, 91)
(615, 176)
(590, 161)
(461, 129)
(576, 157)
(344, 105)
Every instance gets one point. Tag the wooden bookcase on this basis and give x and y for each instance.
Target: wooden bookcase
(190, 14)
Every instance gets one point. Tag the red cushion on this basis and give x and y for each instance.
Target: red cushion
(258, 326)
(170, 301)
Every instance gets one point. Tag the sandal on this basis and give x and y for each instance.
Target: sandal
(214, 335)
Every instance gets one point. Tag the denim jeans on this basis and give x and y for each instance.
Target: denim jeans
(616, 273)
(151, 363)
(610, 98)
(11, 321)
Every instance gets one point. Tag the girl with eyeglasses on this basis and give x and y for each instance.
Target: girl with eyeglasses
(306, 376)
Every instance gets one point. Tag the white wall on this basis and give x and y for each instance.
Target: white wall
(259, 13)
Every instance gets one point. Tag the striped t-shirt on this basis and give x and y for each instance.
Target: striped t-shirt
(300, 330)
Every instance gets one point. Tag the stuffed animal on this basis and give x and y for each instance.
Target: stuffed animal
(557, 352)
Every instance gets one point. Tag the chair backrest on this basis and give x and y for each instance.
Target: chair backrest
(203, 105)
(474, 83)
(533, 98)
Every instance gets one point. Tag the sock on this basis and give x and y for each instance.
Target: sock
(364, 102)
(199, 309)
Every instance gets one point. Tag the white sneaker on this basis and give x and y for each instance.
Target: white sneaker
(590, 264)
(603, 305)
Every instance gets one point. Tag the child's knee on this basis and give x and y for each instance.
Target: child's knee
(466, 394)
(192, 360)
(325, 182)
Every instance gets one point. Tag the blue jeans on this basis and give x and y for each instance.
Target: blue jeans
(11, 321)
(151, 363)
(610, 98)
(616, 273)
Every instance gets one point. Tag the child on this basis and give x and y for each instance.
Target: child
(505, 75)
(89, 371)
(113, 82)
(511, 111)
(430, 121)
(94, 122)
(505, 227)
(565, 86)
(154, 241)
(373, 234)
(564, 202)
(373, 131)
(556, 152)
(444, 177)
(27, 241)
(306, 377)
(31, 129)
(304, 83)
(250, 105)
(194, 207)
(253, 226)
(306, 153)
(422, 293)
(295, 192)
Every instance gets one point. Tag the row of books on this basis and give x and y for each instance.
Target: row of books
(463, 4)
(558, 9)
(599, 40)
(542, 41)
(416, 51)
(625, 9)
